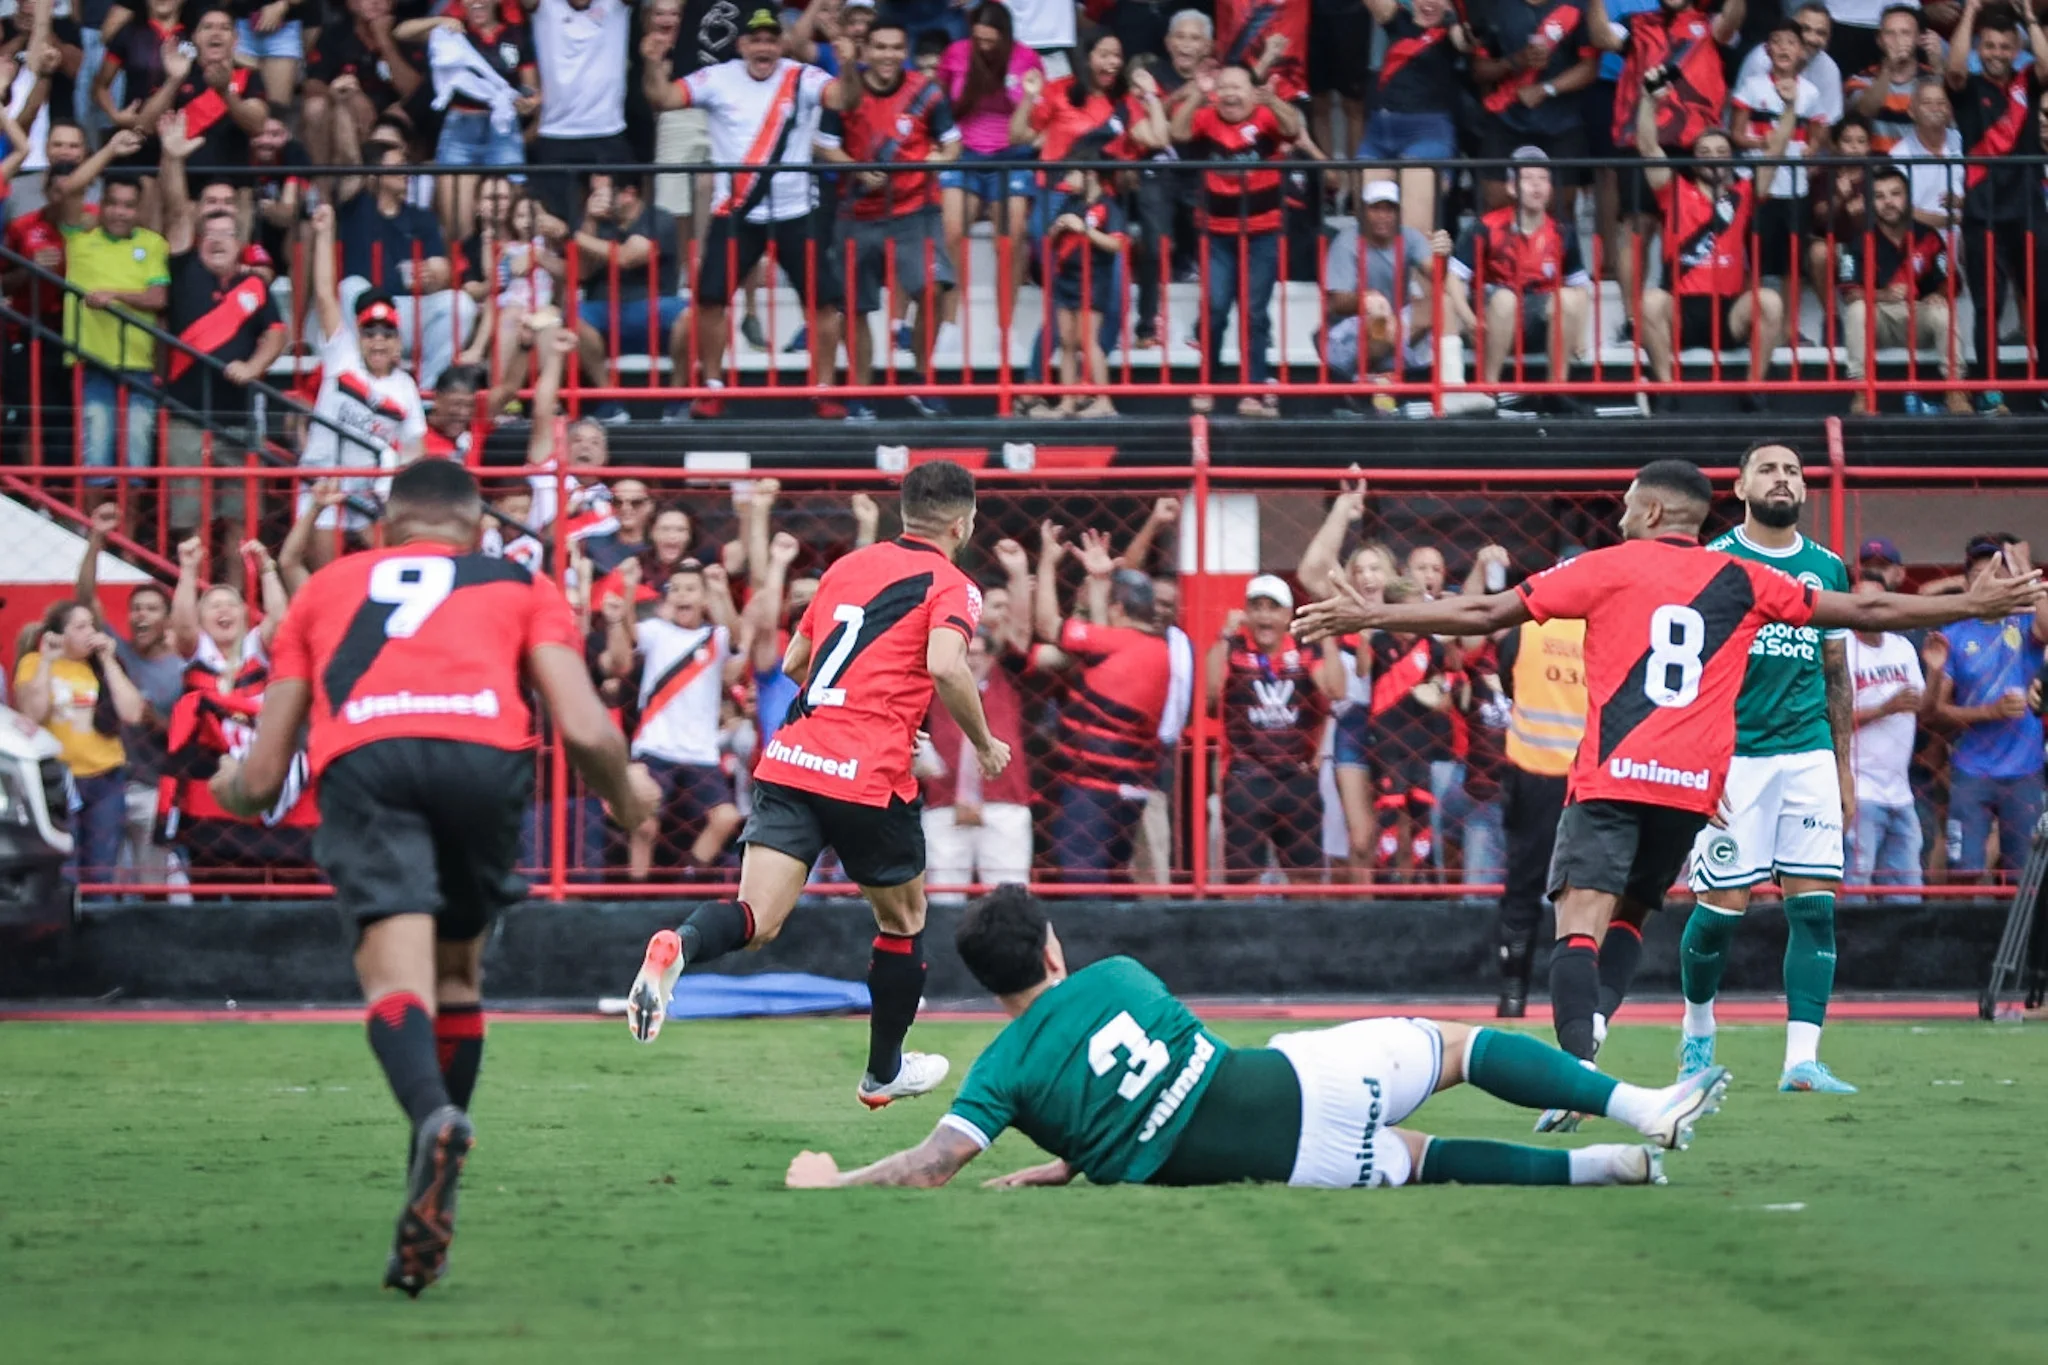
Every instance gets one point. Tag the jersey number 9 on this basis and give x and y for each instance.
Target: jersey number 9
(416, 585)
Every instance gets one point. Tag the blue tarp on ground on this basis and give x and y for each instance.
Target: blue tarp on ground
(710, 996)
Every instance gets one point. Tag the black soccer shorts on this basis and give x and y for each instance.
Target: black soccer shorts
(425, 826)
(879, 846)
(1625, 848)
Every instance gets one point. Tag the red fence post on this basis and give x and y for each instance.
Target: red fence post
(1198, 814)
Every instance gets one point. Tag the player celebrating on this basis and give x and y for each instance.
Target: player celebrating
(888, 624)
(422, 789)
(1668, 630)
(1790, 791)
(1120, 1082)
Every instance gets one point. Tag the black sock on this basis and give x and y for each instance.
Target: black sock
(717, 929)
(1620, 953)
(402, 1036)
(895, 985)
(1574, 991)
(459, 1041)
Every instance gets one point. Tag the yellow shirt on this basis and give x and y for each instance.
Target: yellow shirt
(74, 691)
(128, 265)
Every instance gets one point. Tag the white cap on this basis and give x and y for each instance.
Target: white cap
(1269, 586)
(1383, 192)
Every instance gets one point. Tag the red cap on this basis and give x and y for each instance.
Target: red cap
(256, 258)
(377, 314)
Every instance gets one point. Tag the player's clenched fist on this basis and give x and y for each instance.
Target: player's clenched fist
(812, 1171)
(994, 758)
(643, 797)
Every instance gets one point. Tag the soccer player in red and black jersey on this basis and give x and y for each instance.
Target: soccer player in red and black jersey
(1535, 279)
(410, 665)
(1994, 109)
(1274, 695)
(1668, 630)
(1903, 268)
(1709, 217)
(1239, 217)
(889, 624)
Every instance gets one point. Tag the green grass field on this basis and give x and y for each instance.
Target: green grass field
(225, 1194)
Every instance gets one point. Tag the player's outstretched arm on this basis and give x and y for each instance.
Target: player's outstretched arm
(1054, 1172)
(926, 1166)
(1345, 610)
(1992, 597)
(595, 745)
(945, 658)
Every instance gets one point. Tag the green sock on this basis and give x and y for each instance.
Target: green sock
(1703, 951)
(1470, 1161)
(1516, 1068)
(1809, 956)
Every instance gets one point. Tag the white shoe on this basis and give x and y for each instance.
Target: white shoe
(1685, 1104)
(920, 1074)
(1629, 1163)
(647, 1002)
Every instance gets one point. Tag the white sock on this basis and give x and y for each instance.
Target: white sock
(1634, 1105)
(1599, 1030)
(1595, 1165)
(1802, 1043)
(1699, 1019)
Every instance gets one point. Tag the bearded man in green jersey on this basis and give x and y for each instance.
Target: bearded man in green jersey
(1116, 1078)
(1790, 791)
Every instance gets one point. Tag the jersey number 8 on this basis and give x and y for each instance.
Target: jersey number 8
(416, 585)
(1677, 635)
(1148, 1056)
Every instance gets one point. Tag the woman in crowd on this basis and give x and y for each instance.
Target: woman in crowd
(983, 74)
(1369, 570)
(74, 687)
(211, 629)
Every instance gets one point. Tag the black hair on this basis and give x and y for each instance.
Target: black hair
(1785, 25)
(131, 182)
(937, 492)
(1082, 86)
(1866, 576)
(1912, 10)
(1742, 463)
(280, 111)
(1890, 170)
(437, 491)
(462, 379)
(1986, 544)
(890, 21)
(932, 40)
(157, 588)
(1001, 938)
(1682, 477)
(2000, 18)
(105, 719)
(1852, 119)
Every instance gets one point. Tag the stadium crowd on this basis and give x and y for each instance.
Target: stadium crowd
(111, 104)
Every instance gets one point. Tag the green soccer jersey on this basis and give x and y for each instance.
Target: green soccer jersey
(1103, 1070)
(1783, 707)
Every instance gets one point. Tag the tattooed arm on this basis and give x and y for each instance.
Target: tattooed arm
(928, 1165)
(1834, 665)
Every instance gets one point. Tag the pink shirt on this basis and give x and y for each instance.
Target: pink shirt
(987, 129)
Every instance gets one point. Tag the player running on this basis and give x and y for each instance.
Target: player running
(888, 625)
(1669, 626)
(1121, 1083)
(1791, 791)
(422, 789)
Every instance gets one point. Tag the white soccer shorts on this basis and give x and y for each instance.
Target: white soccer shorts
(1785, 819)
(1357, 1081)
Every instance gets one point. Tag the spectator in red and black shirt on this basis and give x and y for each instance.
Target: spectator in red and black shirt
(137, 51)
(1993, 109)
(889, 228)
(1240, 214)
(1273, 696)
(1904, 268)
(1708, 218)
(1087, 245)
(219, 103)
(1536, 56)
(280, 190)
(359, 68)
(1421, 88)
(1534, 277)
(34, 368)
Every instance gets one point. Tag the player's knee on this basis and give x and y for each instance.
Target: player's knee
(1397, 1161)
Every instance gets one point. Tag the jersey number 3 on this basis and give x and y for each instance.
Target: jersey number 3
(416, 585)
(1148, 1056)
(1677, 635)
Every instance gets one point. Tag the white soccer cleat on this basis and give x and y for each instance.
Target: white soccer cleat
(647, 1002)
(1628, 1163)
(1685, 1104)
(920, 1074)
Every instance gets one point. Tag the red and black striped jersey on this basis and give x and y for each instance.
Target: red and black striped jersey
(1683, 42)
(1115, 699)
(1238, 201)
(1994, 120)
(1496, 251)
(419, 641)
(852, 727)
(1919, 263)
(1668, 630)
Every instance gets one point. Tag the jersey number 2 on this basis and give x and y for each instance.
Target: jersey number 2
(416, 585)
(1677, 635)
(821, 691)
(1148, 1056)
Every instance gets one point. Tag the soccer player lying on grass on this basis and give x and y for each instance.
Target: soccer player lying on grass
(1114, 1076)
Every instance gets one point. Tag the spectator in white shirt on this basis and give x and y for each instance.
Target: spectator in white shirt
(1815, 27)
(1756, 107)
(582, 46)
(1884, 839)
(1937, 188)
